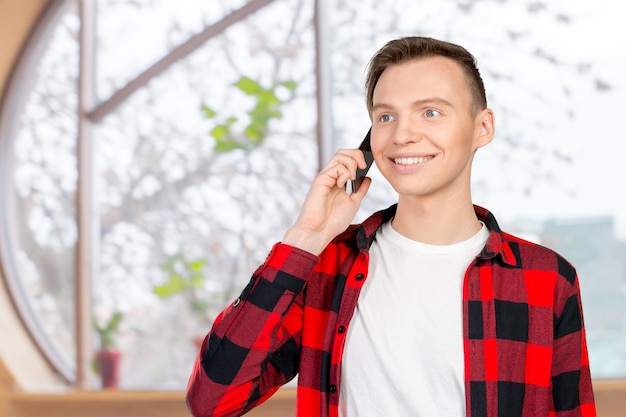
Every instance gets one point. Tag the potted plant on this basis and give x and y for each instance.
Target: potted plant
(108, 357)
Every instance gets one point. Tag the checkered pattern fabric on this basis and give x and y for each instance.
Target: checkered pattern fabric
(524, 339)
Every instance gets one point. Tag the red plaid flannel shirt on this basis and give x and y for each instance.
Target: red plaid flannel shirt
(524, 339)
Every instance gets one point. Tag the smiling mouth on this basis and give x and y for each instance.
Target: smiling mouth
(412, 161)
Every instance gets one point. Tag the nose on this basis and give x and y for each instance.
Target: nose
(407, 131)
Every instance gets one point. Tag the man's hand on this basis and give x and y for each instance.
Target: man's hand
(328, 209)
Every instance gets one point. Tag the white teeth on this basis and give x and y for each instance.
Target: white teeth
(411, 161)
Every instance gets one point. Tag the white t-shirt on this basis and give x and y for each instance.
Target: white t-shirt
(404, 348)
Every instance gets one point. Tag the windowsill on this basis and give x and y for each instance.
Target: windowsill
(610, 399)
(129, 403)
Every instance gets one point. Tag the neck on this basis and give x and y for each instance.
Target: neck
(436, 222)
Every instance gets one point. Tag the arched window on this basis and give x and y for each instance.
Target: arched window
(146, 175)
(196, 160)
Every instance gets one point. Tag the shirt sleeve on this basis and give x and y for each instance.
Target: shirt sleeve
(572, 391)
(254, 345)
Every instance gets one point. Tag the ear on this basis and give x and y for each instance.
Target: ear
(485, 127)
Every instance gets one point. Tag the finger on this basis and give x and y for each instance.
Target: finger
(352, 158)
(356, 154)
(344, 174)
(340, 170)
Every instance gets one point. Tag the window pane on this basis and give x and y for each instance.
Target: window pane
(200, 172)
(140, 32)
(554, 172)
(40, 217)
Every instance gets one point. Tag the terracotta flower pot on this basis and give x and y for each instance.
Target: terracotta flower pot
(109, 367)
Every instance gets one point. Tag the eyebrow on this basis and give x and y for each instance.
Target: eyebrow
(418, 103)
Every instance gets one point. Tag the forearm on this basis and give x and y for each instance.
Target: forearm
(572, 390)
(253, 346)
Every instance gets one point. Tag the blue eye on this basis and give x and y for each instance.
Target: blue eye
(431, 113)
(385, 118)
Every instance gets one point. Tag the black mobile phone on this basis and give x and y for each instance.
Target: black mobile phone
(366, 147)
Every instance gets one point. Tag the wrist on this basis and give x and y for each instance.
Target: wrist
(311, 242)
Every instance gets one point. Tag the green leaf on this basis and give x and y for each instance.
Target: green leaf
(173, 285)
(267, 107)
(267, 99)
(197, 265)
(209, 113)
(220, 132)
(290, 85)
(227, 145)
(249, 86)
(107, 330)
(115, 321)
(253, 134)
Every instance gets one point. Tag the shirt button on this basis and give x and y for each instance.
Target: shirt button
(332, 388)
(341, 329)
(359, 277)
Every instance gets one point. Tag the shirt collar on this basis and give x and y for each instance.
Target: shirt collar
(497, 244)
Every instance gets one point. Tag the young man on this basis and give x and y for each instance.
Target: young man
(425, 309)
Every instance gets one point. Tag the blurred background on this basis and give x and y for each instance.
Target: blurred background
(151, 152)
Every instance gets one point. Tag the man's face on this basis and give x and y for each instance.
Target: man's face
(423, 133)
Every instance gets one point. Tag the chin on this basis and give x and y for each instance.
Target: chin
(413, 191)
